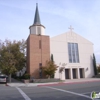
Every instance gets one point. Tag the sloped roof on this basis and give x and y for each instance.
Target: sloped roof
(37, 17)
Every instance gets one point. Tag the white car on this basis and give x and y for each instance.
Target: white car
(3, 79)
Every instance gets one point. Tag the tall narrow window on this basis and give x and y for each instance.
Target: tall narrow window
(39, 30)
(77, 54)
(39, 44)
(73, 53)
(69, 51)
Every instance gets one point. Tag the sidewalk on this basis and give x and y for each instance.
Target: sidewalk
(69, 81)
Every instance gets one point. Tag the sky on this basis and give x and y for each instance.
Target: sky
(56, 15)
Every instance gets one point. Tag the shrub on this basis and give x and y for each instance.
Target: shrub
(49, 69)
(13, 76)
(98, 69)
(26, 76)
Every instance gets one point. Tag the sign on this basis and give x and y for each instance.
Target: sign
(95, 96)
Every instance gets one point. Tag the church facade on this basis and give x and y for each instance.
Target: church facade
(74, 53)
(70, 51)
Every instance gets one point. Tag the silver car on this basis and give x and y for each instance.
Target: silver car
(3, 79)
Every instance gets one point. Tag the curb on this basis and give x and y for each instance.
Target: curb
(64, 83)
(49, 84)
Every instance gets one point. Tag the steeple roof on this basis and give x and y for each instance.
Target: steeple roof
(37, 17)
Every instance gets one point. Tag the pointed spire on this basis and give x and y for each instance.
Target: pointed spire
(37, 17)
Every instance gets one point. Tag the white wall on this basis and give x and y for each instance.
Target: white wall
(34, 30)
(59, 49)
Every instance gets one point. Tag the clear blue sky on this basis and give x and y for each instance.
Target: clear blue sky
(56, 15)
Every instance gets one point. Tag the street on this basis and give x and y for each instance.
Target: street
(76, 91)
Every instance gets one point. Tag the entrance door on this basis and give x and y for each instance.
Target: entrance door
(67, 73)
(81, 72)
(74, 73)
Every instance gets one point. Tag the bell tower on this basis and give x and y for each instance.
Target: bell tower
(38, 47)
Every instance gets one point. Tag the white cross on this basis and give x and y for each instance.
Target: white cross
(71, 28)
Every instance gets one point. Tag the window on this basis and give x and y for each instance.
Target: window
(39, 44)
(39, 30)
(40, 64)
(73, 53)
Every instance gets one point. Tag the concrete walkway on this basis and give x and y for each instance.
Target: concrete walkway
(69, 81)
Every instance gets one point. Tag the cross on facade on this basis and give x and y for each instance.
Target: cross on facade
(71, 28)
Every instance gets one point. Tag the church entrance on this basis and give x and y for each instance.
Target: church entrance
(81, 71)
(74, 71)
(67, 72)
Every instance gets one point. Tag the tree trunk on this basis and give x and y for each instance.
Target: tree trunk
(9, 78)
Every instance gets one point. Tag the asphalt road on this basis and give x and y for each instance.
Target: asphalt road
(79, 91)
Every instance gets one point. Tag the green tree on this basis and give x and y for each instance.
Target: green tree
(94, 65)
(49, 69)
(52, 57)
(12, 56)
(98, 69)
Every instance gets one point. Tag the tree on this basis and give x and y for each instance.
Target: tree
(61, 69)
(49, 69)
(52, 57)
(94, 65)
(98, 69)
(12, 56)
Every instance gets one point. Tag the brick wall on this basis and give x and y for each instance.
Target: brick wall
(38, 51)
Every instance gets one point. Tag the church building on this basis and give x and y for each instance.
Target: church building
(70, 51)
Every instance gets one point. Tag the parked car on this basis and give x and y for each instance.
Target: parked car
(3, 79)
